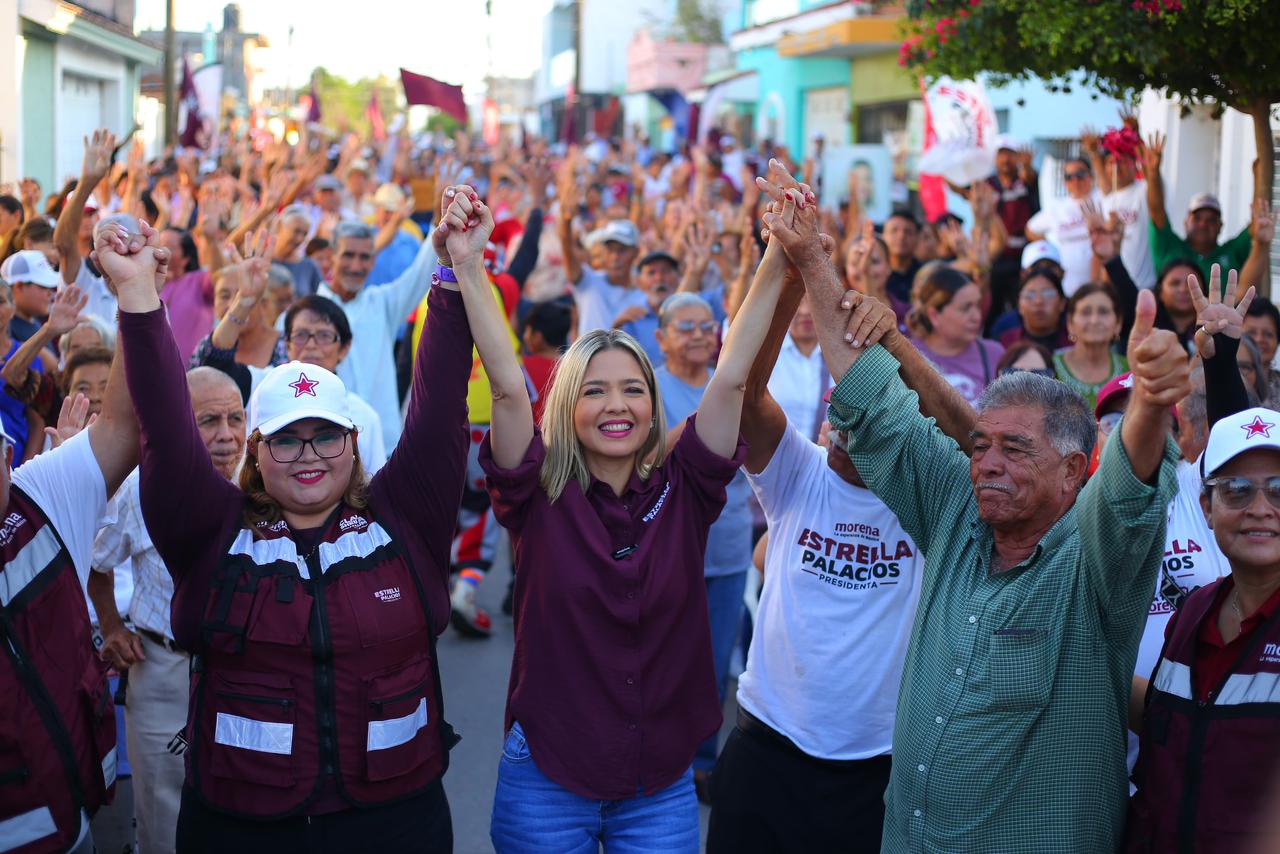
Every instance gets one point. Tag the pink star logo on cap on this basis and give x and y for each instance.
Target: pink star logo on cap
(1127, 382)
(303, 386)
(1257, 427)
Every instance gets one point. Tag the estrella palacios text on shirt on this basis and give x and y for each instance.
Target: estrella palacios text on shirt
(862, 565)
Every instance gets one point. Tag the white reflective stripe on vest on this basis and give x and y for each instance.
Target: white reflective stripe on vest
(1252, 688)
(26, 828)
(26, 564)
(1173, 678)
(397, 731)
(109, 767)
(353, 544)
(262, 736)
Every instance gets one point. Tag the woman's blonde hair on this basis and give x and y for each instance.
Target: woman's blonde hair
(565, 460)
(260, 507)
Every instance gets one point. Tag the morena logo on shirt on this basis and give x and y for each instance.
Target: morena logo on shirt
(12, 523)
(653, 512)
(852, 566)
(1270, 653)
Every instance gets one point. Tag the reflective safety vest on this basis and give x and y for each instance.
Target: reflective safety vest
(312, 673)
(1207, 771)
(57, 722)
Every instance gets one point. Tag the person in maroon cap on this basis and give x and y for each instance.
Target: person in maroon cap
(613, 685)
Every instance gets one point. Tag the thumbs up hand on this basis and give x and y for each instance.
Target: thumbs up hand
(1161, 370)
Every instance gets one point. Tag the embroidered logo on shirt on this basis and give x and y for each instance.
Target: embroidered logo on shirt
(303, 386)
(391, 594)
(649, 517)
(1257, 427)
(1271, 653)
(12, 523)
(353, 522)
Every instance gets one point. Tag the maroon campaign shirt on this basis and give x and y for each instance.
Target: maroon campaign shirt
(1215, 658)
(612, 680)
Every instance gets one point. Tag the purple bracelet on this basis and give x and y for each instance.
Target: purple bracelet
(444, 274)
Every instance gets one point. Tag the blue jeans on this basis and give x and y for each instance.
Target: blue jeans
(725, 607)
(534, 815)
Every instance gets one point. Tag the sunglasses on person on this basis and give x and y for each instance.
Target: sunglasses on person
(687, 326)
(323, 337)
(1075, 176)
(1238, 492)
(327, 444)
(1108, 422)
(1046, 295)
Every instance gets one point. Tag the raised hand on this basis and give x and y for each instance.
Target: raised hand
(249, 272)
(871, 322)
(1152, 152)
(97, 156)
(130, 261)
(1089, 140)
(467, 224)
(1161, 371)
(64, 312)
(29, 190)
(1105, 235)
(1264, 221)
(441, 231)
(73, 417)
(1215, 315)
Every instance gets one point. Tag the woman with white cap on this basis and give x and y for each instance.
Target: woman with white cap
(309, 598)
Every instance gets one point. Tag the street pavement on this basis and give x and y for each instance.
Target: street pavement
(474, 673)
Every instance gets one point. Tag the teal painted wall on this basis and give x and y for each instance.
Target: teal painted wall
(37, 112)
(789, 78)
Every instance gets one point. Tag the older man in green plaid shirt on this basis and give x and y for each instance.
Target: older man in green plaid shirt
(1010, 733)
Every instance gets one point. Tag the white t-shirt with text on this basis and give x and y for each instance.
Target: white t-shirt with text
(1062, 223)
(841, 583)
(1130, 206)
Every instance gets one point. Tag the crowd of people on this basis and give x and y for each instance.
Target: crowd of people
(272, 414)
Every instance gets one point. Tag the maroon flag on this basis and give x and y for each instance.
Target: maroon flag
(373, 112)
(187, 98)
(420, 89)
(569, 127)
(313, 109)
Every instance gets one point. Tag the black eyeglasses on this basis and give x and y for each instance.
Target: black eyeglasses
(1075, 176)
(327, 444)
(324, 337)
(1238, 492)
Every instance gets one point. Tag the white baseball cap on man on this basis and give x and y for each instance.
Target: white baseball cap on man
(1248, 430)
(1200, 201)
(620, 231)
(29, 266)
(1040, 250)
(294, 391)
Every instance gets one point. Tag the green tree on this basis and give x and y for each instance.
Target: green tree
(1219, 52)
(698, 22)
(343, 103)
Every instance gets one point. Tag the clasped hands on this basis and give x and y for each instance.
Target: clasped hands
(791, 226)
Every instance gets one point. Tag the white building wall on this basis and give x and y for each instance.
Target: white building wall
(76, 58)
(11, 60)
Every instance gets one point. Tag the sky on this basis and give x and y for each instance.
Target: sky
(445, 39)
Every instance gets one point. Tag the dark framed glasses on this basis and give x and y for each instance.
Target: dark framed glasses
(327, 444)
(1238, 492)
(1075, 175)
(323, 337)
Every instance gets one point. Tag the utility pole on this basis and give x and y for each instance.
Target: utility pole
(577, 62)
(170, 62)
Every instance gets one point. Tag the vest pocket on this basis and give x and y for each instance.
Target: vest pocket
(385, 603)
(253, 719)
(399, 706)
(1020, 677)
(281, 611)
(100, 716)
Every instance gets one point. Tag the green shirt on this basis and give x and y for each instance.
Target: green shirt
(1088, 391)
(1166, 246)
(1011, 722)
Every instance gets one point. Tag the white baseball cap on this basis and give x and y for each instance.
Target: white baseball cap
(294, 391)
(1040, 250)
(1204, 200)
(1249, 430)
(620, 230)
(29, 266)
(389, 197)
(1008, 142)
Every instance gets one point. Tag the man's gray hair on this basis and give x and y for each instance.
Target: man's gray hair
(295, 210)
(352, 229)
(675, 302)
(279, 274)
(1068, 422)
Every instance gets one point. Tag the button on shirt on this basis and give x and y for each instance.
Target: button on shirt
(123, 536)
(1019, 715)
(612, 679)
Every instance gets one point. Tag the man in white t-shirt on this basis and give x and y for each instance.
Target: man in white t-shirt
(806, 767)
(799, 376)
(1128, 201)
(1062, 223)
(73, 236)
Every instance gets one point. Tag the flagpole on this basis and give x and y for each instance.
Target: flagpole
(170, 100)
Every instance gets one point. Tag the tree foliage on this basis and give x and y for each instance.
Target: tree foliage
(343, 103)
(698, 22)
(1217, 51)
